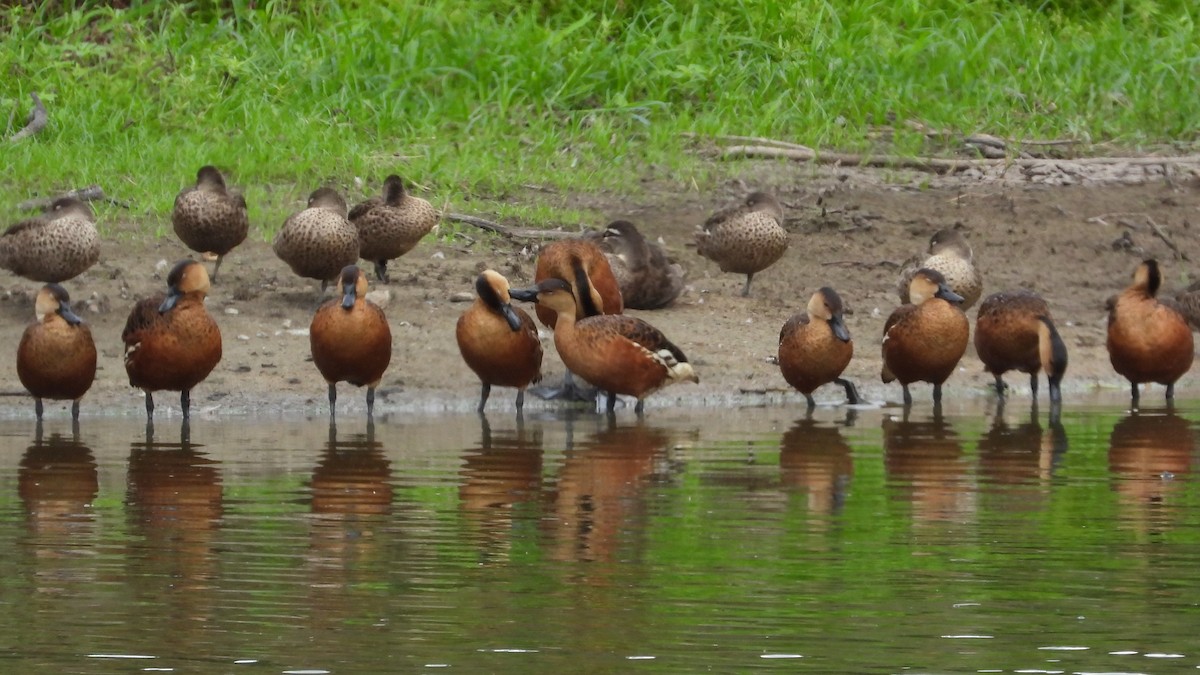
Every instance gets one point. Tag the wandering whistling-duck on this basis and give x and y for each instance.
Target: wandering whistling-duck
(209, 218)
(1148, 341)
(746, 238)
(647, 278)
(58, 245)
(350, 338)
(391, 226)
(1014, 331)
(318, 242)
(951, 255)
(923, 341)
(171, 341)
(564, 259)
(56, 358)
(815, 347)
(617, 353)
(498, 341)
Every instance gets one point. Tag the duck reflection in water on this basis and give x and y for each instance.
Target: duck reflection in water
(1025, 454)
(498, 478)
(814, 458)
(597, 505)
(57, 482)
(352, 494)
(925, 466)
(1149, 458)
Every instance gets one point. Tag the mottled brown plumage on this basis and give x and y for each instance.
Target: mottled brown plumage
(209, 218)
(1014, 331)
(318, 242)
(815, 347)
(951, 255)
(391, 226)
(350, 338)
(617, 353)
(646, 277)
(746, 238)
(56, 358)
(499, 342)
(923, 341)
(58, 245)
(1148, 341)
(171, 341)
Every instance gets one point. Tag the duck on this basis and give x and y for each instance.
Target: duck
(583, 266)
(923, 341)
(746, 238)
(56, 246)
(619, 354)
(646, 277)
(350, 338)
(1187, 302)
(1148, 341)
(56, 358)
(171, 341)
(208, 218)
(391, 226)
(950, 254)
(815, 347)
(1015, 331)
(499, 342)
(318, 242)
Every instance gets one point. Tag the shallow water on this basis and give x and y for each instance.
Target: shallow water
(732, 540)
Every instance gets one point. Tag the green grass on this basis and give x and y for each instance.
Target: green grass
(474, 98)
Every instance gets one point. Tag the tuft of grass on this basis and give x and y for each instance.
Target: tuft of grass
(473, 98)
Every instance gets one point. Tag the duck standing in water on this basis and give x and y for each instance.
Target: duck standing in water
(646, 277)
(58, 245)
(924, 341)
(815, 347)
(1014, 331)
(498, 341)
(619, 354)
(208, 218)
(350, 339)
(390, 227)
(56, 358)
(746, 238)
(951, 255)
(171, 341)
(1148, 341)
(318, 242)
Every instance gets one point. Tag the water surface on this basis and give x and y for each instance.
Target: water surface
(757, 538)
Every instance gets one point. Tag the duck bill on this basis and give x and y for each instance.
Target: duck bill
(948, 295)
(348, 298)
(523, 294)
(64, 310)
(839, 328)
(169, 303)
(510, 315)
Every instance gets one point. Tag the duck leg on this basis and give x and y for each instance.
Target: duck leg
(216, 268)
(1134, 397)
(75, 410)
(852, 396)
(640, 408)
(483, 397)
(612, 402)
(520, 400)
(937, 393)
(149, 405)
(370, 402)
(1000, 387)
(185, 402)
(381, 271)
(37, 407)
(332, 399)
(907, 396)
(811, 403)
(1171, 392)
(1033, 385)
(746, 288)
(569, 390)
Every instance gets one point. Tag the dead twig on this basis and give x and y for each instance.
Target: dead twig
(38, 118)
(508, 232)
(861, 263)
(91, 193)
(1179, 255)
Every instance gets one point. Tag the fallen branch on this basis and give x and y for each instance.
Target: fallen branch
(861, 263)
(91, 193)
(1179, 255)
(38, 118)
(521, 233)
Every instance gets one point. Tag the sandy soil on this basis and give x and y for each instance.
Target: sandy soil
(1051, 230)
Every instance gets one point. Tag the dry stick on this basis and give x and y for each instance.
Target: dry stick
(91, 193)
(38, 117)
(1179, 255)
(936, 164)
(526, 233)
